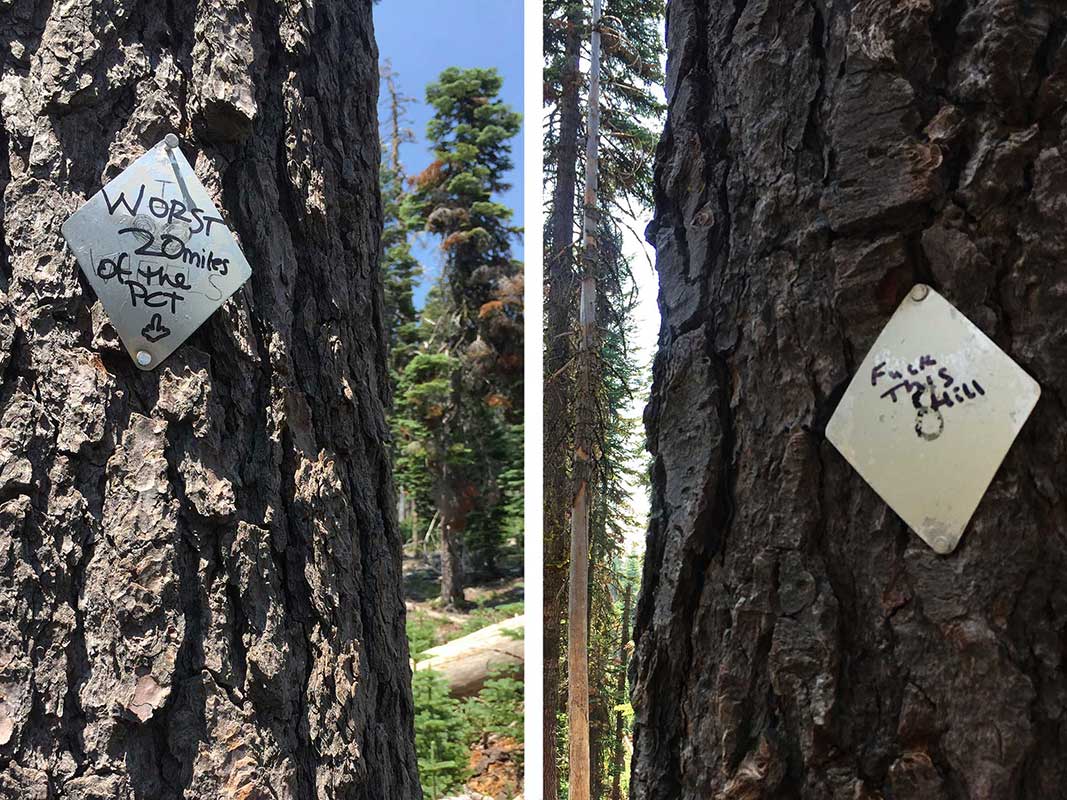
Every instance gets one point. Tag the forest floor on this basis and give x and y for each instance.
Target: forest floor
(495, 767)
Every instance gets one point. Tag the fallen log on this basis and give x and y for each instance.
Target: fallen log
(466, 662)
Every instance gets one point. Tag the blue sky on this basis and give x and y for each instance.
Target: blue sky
(421, 38)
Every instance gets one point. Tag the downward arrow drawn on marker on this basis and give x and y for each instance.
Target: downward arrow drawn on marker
(155, 330)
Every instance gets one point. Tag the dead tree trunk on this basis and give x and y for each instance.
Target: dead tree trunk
(559, 350)
(584, 464)
(793, 638)
(200, 565)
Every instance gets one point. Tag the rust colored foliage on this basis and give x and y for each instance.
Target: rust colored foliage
(431, 176)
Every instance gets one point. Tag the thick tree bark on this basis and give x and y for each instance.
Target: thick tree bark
(559, 350)
(199, 565)
(793, 638)
(451, 550)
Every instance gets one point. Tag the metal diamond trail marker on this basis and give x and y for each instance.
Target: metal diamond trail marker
(930, 415)
(156, 252)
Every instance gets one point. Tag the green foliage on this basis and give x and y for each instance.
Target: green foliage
(458, 413)
(483, 617)
(512, 486)
(422, 633)
(631, 112)
(400, 270)
(445, 727)
(456, 375)
(442, 735)
(631, 91)
(498, 707)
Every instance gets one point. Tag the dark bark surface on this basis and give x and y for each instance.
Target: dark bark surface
(793, 638)
(200, 590)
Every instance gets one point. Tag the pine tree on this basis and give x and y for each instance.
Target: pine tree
(442, 735)
(400, 271)
(400, 268)
(793, 638)
(473, 363)
(200, 576)
(628, 105)
(620, 447)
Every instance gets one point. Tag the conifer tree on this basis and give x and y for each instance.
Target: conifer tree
(464, 396)
(629, 105)
(400, 268)
(563, 40)
(621, 444)
(793, 638)
(200, 574)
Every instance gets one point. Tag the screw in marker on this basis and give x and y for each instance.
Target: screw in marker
(942, 545)
(919, 292)
(171, 141)
(144, 358)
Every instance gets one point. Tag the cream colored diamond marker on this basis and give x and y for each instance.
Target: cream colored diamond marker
(930, 415)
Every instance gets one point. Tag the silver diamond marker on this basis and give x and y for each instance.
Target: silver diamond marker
(156, 252)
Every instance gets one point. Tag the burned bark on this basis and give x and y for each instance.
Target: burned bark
(793, 638)
(200, 589)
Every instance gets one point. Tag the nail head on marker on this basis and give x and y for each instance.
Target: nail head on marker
(171, 141)
(144, 358)
(919, 292)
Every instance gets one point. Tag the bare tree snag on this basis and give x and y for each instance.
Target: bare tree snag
(584, 464)
(200, 588)
(793, 638)
(559, 351)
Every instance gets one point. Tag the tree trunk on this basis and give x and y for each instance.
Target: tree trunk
(599, 733)
(201, 586)
(559, 349)
(454, 503)
(793, 637)
(585, 443)
(620, 694)
(452, 561)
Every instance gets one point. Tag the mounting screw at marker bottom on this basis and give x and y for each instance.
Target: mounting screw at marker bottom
(919, 292)
(144, 358)
(942, 545)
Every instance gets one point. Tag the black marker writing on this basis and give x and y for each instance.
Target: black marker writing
(164, 209)
(173, 248)
(158, 230)
(115, 269)
(930, 392)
